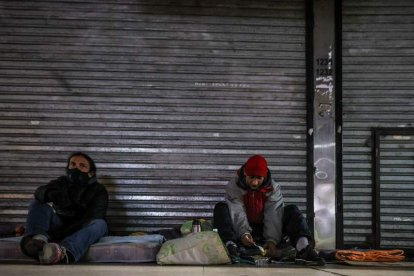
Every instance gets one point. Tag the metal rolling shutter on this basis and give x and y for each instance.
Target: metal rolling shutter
(169, 98)
(396, 189)
(378, 91)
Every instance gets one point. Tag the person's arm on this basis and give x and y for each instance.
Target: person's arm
(56, 191)
(234, 200)
(273, 215)
(99, 205)
(96, 209)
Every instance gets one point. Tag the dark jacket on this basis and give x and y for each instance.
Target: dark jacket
(76, 205)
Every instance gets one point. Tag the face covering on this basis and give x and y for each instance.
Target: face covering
(77, 177)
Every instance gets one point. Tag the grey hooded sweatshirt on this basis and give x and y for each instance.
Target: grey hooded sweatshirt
(273, 208)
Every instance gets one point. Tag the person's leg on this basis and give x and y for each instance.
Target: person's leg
(296, 227)
(40, 219)
(295, 224)
(78, 243)
(222, 222)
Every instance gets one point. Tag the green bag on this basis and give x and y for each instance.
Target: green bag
(203, 248)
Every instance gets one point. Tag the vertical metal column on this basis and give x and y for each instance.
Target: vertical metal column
(324, 123)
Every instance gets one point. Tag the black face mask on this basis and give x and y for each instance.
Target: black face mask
(77, 177)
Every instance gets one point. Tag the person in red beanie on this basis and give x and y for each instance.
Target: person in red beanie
(254, 214)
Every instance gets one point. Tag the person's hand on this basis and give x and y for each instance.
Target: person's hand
(247, 239)
(271, 250)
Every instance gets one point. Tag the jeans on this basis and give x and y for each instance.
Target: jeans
(294, 225)
(42, 218)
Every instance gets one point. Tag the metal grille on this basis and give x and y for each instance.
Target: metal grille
(168, 97)
(396, 189)
(378, 91)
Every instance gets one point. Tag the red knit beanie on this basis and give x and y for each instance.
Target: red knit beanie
(256, 165)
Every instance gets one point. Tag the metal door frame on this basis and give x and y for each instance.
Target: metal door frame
(376, 189)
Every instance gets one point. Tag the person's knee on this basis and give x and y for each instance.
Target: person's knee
(221, 214)
(221, 208)
(292, 209)
(291, 213)
(36, 204)
(99, 225)
(220, 205)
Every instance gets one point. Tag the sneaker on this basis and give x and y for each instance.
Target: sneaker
(53, 253)
(308, 256)
(32, 247)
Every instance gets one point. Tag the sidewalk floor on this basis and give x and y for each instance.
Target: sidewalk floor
(230, 270)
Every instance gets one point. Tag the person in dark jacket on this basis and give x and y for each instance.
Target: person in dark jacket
(254, 214)
(67, 215)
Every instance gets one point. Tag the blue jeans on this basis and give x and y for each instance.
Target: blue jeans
(42, 218)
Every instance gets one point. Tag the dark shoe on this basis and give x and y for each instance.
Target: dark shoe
(53, 253)
(32, 247)
(233, 250)
(308, 256)
(287, 255)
